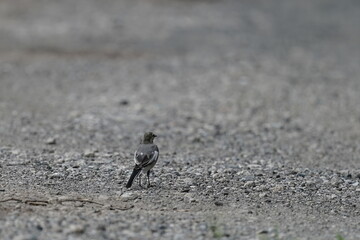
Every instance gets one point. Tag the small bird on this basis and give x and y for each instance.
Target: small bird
(145, 158)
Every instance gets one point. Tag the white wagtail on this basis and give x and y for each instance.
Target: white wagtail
(145, 158)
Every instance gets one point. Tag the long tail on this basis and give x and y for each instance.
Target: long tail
(133, 175)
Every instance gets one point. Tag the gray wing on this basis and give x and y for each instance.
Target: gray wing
(145, 155)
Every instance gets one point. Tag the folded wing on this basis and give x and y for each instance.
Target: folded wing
(146, 155)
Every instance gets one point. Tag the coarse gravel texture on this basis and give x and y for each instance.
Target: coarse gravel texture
(256, 105)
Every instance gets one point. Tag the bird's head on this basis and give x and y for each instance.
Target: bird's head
(149, 137)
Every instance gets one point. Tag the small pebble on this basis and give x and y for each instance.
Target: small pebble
(50, 141)
(75, 229)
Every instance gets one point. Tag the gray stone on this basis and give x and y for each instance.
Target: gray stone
(75, 229)
(129, 196)
(50, 141)
(90, 153)
(249, 184)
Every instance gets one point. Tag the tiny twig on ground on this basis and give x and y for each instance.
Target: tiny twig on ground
(79, 200)
(17, 164)
(11, 199)
(122, 209)
(30, 202)
(36, 202)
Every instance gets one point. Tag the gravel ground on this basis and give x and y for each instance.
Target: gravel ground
(256, 105)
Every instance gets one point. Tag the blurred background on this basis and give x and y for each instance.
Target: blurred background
(97, 74)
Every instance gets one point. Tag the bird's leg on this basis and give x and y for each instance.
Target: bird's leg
(140, 179)
(148, 178)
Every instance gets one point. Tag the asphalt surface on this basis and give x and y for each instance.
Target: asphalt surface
(255, 104)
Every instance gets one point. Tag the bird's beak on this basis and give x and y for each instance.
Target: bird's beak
(155, 135)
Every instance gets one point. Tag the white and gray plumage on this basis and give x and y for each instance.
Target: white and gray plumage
(145, 158)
